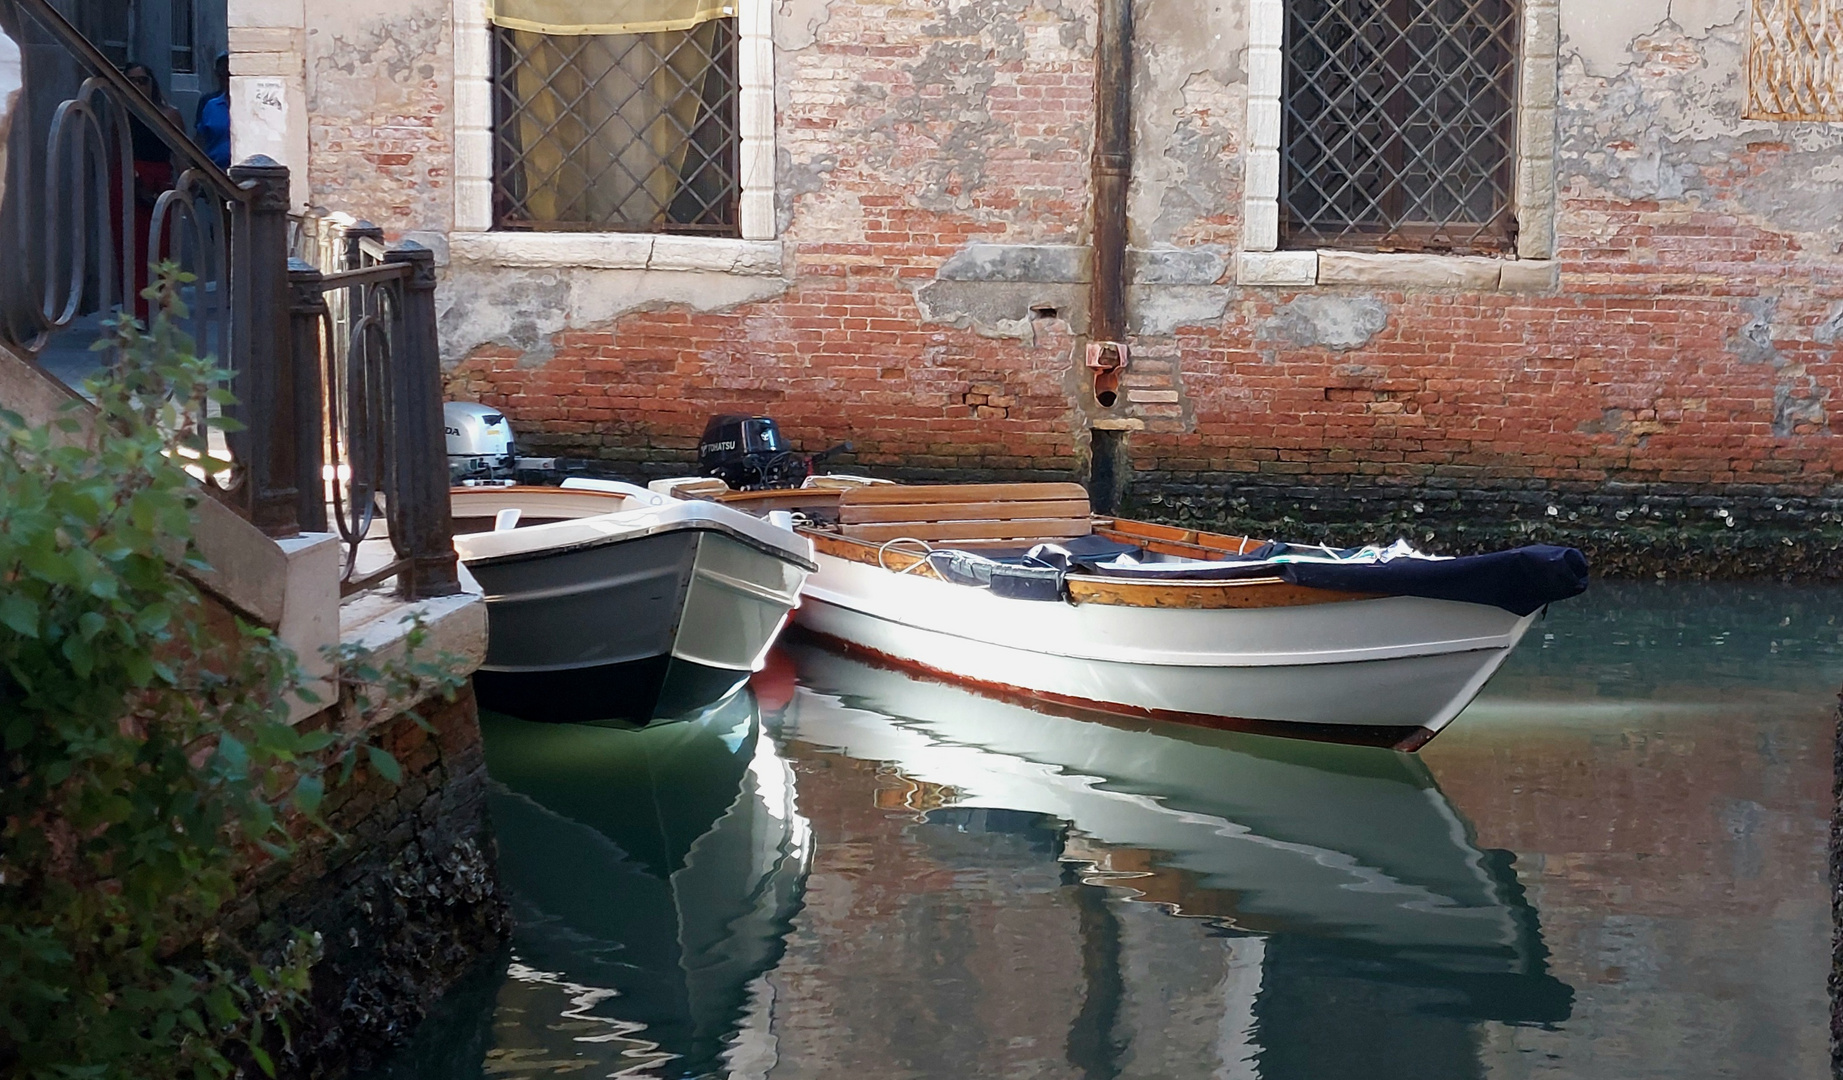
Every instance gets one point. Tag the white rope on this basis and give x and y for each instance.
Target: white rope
(887, 544)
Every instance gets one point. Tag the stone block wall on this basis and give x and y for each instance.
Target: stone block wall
(402, 891)
(1673, 362)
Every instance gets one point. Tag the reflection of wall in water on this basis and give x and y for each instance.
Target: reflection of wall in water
(902, 965)
(1679, 868)
(1318, 1005)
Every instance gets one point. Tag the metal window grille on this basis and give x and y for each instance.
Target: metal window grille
(181, 52)
(1399, 123)
(1795, 60)
(622, 133)
(109, 24)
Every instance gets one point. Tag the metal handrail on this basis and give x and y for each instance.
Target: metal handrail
(364, 343)
(270, 324)
(89, 233)
(364, 275)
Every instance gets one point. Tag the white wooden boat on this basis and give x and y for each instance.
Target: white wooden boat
(616, 604)
(1196, 627)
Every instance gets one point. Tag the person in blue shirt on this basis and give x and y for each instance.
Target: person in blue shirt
(212, 123)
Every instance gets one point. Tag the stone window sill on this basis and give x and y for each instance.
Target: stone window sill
(619, 251)
(1296, 269)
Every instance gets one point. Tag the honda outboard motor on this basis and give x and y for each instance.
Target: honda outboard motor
(480, 445)
(748, 453)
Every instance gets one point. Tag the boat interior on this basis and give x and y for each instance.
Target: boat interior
(901, 527)
(496, 509)
(976, 517)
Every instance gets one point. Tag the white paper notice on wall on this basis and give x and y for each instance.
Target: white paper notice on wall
(269, 109)
(259, 108)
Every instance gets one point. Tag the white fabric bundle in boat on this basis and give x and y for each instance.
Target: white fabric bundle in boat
(1176, 566)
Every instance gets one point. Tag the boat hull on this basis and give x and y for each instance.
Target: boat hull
(633, 628)
(1390, 671)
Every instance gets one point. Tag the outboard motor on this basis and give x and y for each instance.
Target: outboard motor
(749, 454)
(480, 445)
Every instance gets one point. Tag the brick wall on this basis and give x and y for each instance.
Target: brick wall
(1681, 376)
(380, 112)
(401, 889)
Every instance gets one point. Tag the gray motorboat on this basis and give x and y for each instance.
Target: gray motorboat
(617, 605)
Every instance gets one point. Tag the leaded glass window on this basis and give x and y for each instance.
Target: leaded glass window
(1399, 125)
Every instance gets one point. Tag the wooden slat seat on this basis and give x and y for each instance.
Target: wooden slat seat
(989, 513)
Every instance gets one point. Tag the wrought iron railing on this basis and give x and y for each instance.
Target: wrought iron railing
(363, 318)
(88, 211)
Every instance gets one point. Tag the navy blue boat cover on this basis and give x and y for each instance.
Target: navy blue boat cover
(1519, 580)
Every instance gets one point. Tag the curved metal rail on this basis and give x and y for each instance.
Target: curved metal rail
(330, 372)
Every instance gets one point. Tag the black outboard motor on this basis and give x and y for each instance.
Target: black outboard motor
(749, 454)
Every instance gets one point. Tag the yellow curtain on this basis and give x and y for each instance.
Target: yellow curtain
(589, 163)
(579, 17)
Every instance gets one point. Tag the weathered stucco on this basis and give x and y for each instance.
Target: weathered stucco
(1654, 114)
(970, 104)
(1602, 36)
(932, 181)
(380, 85)
(1189, 95)
(1666, 123)
(1339, 323)
(523, 309)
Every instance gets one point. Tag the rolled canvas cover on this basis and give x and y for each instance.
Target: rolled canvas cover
(1519, 580)
(580, 17)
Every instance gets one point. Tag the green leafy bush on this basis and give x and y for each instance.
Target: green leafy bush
(146, 759)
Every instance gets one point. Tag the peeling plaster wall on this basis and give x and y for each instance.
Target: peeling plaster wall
(910, 137)
(1680, 357)
(524, 309)
(1190, 95)
(380, 96)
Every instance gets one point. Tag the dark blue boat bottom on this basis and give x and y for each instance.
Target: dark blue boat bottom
(633, 693)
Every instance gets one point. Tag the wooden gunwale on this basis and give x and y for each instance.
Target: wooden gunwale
(1171, 540)
(878, 513)
(533, 502)
(1263, 592)
(760, 502)
(916, 494)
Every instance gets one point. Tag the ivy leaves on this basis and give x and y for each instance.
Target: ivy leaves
(146, 754)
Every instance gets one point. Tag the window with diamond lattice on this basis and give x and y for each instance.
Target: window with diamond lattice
(1399, 125)
(1795, 60)
(617, 132)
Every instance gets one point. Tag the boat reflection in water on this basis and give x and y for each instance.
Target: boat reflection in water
(652, 874)
(991, 895)
(1369, 933)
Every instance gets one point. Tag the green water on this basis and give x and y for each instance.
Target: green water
(1612, 865)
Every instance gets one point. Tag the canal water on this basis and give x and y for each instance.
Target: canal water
(1613, 865)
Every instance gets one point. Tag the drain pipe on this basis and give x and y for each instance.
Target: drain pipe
(1113, 164)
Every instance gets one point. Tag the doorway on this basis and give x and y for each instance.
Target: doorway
(178, 40)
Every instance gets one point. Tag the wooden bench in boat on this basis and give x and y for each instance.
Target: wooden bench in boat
(978, 515)
(982, 513)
